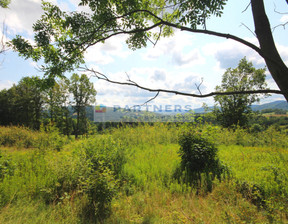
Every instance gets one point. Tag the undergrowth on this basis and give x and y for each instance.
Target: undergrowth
(129, 175)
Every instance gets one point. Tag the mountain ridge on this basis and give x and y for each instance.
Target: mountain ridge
(278, 104)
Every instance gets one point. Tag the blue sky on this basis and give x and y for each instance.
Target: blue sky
(177, 63)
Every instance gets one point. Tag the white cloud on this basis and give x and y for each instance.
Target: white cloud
(283, 51)
(229, 53)
(159, 75)
(178, 49)
(6, 84)
(191, 58)
(284, 19)
(105, 53)
(21, 15)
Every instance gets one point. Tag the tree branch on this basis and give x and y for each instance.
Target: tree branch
(101, 76)
(249, 29)
(153, 98)
(248, 7)
(198, 86)
(161, 23)
(284, 25)
(209, 32)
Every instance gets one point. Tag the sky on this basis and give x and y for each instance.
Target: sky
(176, 63)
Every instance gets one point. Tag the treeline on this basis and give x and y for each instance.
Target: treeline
(33, 102)
(256, 121)
(274, 111)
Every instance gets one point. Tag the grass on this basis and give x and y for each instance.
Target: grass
(44, 185)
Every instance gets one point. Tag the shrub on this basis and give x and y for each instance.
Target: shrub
(100, 187)
(197, 154)
(6, 166)
(104, 159)
(199, 162)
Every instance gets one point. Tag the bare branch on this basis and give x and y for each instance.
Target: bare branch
(159, 35)
(198, 86)
(246, 7)
(282, 13)
(284, 26)
(101, 76)
(249, 29)
(153, 98)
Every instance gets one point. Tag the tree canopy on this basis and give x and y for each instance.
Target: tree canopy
(62, 38)
(234, 109)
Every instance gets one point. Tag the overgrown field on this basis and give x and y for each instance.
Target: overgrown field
(135, 175)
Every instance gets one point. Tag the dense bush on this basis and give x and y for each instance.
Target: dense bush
(197, 154)
(104, 159)
(199, 160)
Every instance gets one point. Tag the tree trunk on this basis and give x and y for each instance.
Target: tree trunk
(274, 62)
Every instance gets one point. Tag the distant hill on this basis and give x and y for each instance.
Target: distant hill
(280, 104)
(124, 114)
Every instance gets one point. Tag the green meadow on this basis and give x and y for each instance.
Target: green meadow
(133, 175)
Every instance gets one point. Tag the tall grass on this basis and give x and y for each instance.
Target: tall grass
(22, 137)
(127, 175)
(261, 176)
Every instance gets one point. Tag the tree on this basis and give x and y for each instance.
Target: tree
(22, 104)
(84, 94)
(62, 38)
(232, 110)
(56, 99)
(29, 101)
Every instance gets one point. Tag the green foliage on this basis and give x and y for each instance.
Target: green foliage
(21, 137)
(30, 103)
(22, 103)
(197, 154)
(104, 159)
(261, 175)
(145, 134)
(100, 186)
(127, 175)
(18, 137)
(88, 168)
(199, 162)
(4, 3)
(233, 110)
(61, 38)
(84, 94)
(57, 101)
(274, 111)
(6, 166)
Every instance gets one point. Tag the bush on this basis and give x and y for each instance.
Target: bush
(100, 187)
(197, 154)
(199, 162)
(104, 159)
